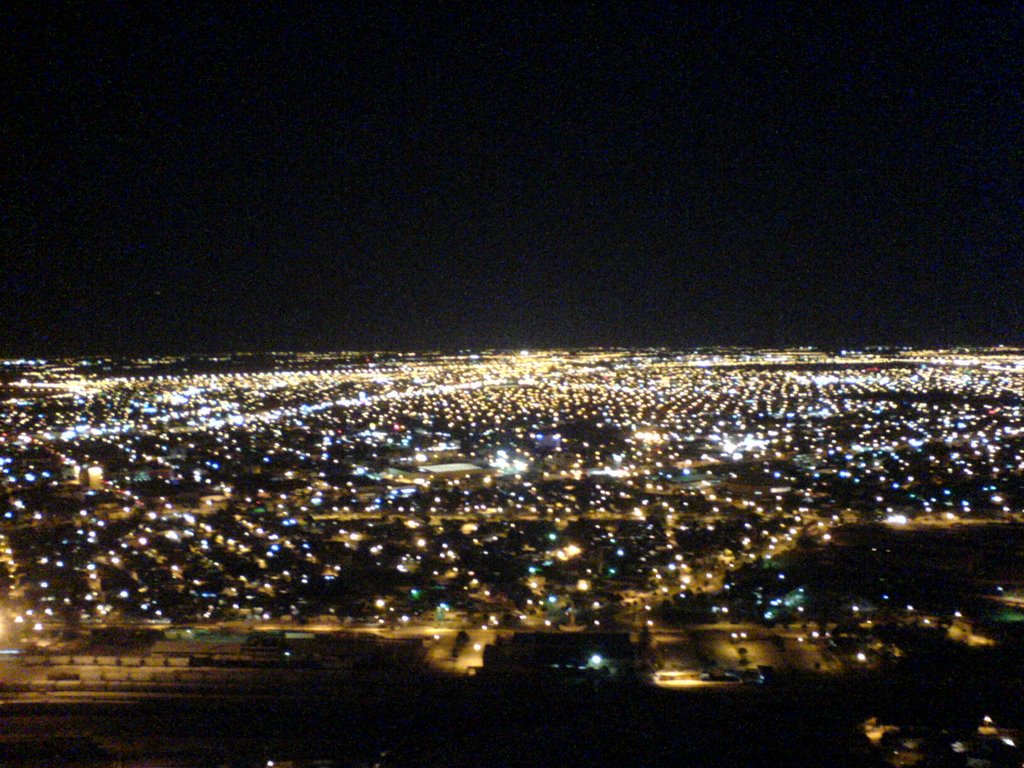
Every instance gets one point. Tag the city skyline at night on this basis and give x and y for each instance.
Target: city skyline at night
(511, 384)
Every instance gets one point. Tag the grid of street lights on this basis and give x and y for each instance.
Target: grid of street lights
(513, 489)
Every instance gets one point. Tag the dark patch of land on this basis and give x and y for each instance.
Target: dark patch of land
(798, 722)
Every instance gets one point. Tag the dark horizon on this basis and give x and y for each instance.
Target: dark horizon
(520, 176)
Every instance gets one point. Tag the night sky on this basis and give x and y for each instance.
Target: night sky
(280, 176)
